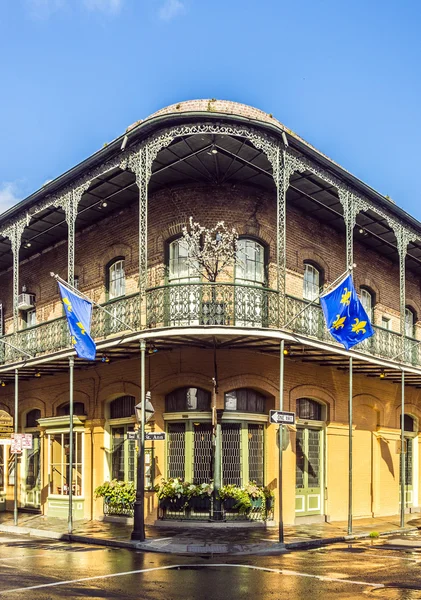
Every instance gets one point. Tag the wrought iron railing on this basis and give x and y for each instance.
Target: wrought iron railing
(229, 304)
(384, 343)
(52, 336)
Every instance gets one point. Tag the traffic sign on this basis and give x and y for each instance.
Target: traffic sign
(132, 435)
(153, 436)
(282, 417)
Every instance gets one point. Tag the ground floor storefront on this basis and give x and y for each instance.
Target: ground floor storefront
(213, 433)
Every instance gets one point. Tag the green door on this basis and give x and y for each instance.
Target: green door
(308, 498)
(31, 466)
(409, 442)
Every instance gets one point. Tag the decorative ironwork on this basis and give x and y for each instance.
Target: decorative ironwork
(202, 452)
(255, 453)
(176, 450)
(231, 454)
(212, 304)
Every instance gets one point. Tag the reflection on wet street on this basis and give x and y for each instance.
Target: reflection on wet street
(44, 569)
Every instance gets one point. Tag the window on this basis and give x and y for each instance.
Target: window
(245, 400)
(64, 409)
(31, 317)
(188, 399)
(367, 302)
(122, 453)
(60, 473)
(2, 468)
(116, 279)
(409, 323)
(408, 423)
(176, 450)
(311, 282)
(250, 265)
(309, 409)
(180, 268)
(122, 407)
(32, 417)
(387, 323)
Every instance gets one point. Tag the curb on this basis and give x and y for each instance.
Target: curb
(235, 549)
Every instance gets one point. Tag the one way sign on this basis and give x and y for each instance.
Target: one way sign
(282, 416)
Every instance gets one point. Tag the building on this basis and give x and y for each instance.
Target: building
(112, 225)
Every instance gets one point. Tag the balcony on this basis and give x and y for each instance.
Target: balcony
(218, 304)
(202, 304)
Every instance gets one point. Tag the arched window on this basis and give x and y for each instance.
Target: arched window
(309, 409)
(245, 400)
(409, 423)
(311, 282)
(188, 398)
(64, 409)
(367, 302)
(409, 322)
(122, 407)
(180, 268)
(32, 417)
(116, 278)
(250, 263)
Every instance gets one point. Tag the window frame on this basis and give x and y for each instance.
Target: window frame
(172, 279)
(108, 281)
(312, 265)
(410, 311)
(265, 256)
(363, 291)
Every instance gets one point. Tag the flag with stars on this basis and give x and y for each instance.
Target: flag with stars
(345, 316)
(78, 312)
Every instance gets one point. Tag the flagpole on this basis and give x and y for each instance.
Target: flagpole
(15, 491)
(70, 476)
(82, 295)
(350, 450)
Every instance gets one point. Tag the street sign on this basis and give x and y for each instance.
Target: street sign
(16, 446)
(152, 436)
(282, 417)
(132, 435)
(26, 441)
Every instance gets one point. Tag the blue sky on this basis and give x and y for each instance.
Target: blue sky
(344, 75)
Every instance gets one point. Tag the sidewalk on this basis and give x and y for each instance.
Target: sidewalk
(179, 538)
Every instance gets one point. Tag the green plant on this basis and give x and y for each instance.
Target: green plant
(247, 496)
(116, 493)
(177, 488)
(374, 534)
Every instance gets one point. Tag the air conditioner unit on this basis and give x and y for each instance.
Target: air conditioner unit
(26, 301)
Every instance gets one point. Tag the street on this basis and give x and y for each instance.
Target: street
(44, 569)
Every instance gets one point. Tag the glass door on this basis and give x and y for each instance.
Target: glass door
(308, 483)
(31, 476)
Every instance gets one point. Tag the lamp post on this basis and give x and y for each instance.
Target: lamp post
(144, 412)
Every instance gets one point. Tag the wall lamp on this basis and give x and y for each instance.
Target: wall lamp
(284, 139)
(105, 359)
(37, 374)
(382, 374)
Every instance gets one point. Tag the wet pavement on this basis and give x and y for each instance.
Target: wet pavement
(42, 569)
(185, 538)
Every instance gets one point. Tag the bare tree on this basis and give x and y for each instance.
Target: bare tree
(210, 251)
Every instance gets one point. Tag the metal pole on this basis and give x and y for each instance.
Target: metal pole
(350, 450)
(70, 476)
(15, 490)
(281, 407)
(138, 532)
(402, 457)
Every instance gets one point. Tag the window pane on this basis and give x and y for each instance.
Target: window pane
(311, 282)
(187, 399)
(309, 409)
(366, 301)
(245, 400)
(180, 268)
(250, 266)
(122, 407)
(32, 417)
(117, 453)
(409, 323)
(117, 285)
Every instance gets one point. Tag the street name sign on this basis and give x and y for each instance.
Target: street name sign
(153, 436)
(282, 417)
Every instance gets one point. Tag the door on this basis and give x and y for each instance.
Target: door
(308, 498)
(31, 476)
(408, 456)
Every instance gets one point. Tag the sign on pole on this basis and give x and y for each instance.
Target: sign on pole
(282, 417)
(16, 446)
(153, 436)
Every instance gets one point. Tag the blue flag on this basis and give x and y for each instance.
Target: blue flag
(345, 316)
(78, 312)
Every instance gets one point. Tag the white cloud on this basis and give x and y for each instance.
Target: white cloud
(107, 6)
(8, 196)
(171, 9)
(42, 9)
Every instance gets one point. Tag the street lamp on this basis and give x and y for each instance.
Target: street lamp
(144, 413)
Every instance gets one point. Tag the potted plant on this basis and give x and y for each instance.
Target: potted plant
(174, 493)
(119, 496)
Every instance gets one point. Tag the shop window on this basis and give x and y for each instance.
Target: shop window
(116, 279)
(176, 451)
(61, 476)
(309, 409)
(245, 400)
(123, 453)
(188, 398)
(78, 409)
(32, 418)
(123, 407)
